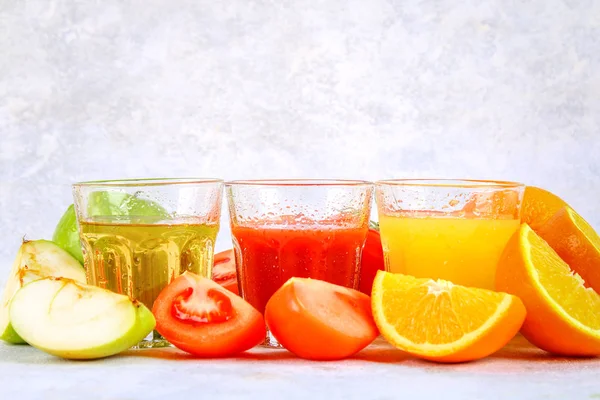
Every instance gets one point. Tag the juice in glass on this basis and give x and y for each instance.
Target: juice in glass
(296, 228)
(140, 260)
(447, 229)
(138, 235)
(460, 250)
(268, 256)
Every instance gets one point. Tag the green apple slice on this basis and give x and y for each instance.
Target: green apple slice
(35, 260)
(76, 321)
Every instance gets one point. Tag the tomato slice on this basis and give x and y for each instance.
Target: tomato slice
(199, 316)
(371, 260)
(318, 320)
(224, 270)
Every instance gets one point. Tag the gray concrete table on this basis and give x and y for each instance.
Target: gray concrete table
(519, 371)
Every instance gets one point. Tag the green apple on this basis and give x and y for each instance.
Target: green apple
(72, 320)
(66, 234)
(103, 204)
(35, 260)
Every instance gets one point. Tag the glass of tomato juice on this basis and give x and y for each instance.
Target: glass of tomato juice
(296, 228)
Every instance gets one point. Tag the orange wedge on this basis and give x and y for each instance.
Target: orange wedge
(539, 206)
(576, 242)
(439, 321)
(563, 316)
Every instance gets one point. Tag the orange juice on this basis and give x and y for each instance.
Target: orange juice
(462, 250)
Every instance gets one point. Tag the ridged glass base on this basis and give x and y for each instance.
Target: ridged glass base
(271, 342)
(153, 340)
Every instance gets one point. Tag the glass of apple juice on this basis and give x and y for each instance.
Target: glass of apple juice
(138, 235)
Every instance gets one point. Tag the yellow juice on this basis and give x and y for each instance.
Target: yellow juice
(140, 260)
(464, 251)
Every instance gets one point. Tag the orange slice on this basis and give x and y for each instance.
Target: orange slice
(439, 321)
(563, 316)
(576, 242)
(539, 206)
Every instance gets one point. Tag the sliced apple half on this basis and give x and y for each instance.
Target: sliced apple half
(35, 260)
(77, 321)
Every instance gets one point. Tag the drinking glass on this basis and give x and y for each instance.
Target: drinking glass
(296, 228)
(454, 230)
(138, 235)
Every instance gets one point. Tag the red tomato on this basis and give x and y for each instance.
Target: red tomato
(199, 316)
(371, 260)
(318, 320)
(224, 270)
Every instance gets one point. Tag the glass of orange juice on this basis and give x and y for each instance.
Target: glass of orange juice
(446, 229)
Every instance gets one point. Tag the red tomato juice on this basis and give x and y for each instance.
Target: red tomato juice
(267, 256)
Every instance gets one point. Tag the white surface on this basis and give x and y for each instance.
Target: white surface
(379, 372)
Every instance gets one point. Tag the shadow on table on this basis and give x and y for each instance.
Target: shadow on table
(170, 353)
(378, 352)
(381, 351)
(520, 349)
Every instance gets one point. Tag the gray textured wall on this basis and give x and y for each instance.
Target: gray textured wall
(335, 88)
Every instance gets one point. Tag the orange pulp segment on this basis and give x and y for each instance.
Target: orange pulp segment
(440, 321)
(563, 316)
